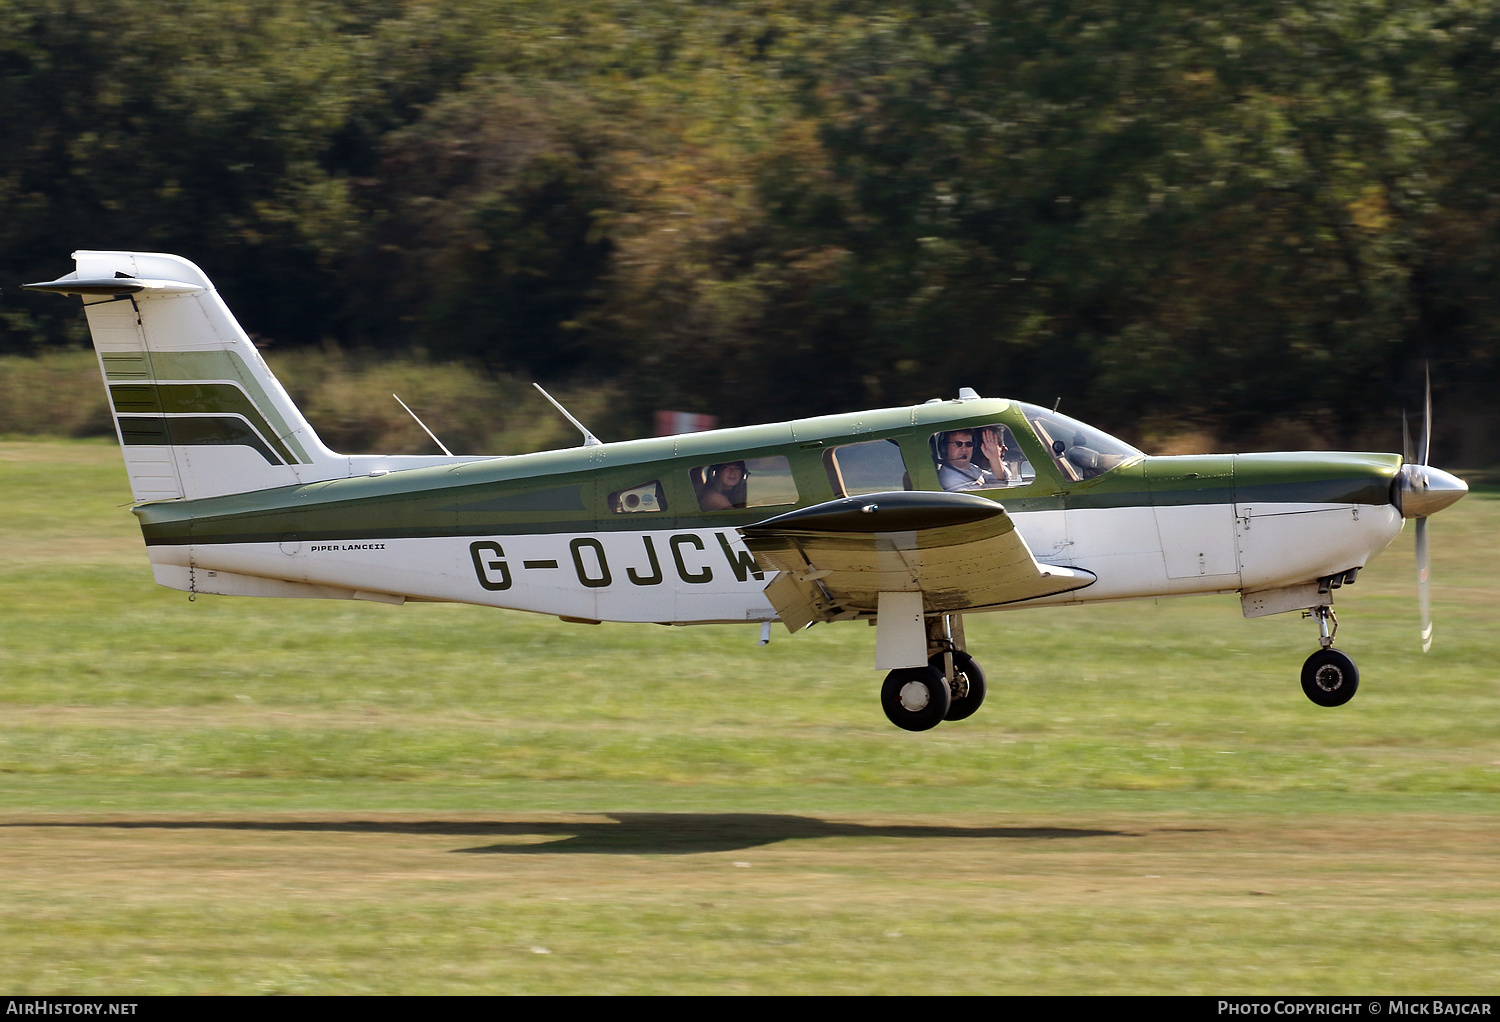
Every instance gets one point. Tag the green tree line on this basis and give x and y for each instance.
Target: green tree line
(1203, 215)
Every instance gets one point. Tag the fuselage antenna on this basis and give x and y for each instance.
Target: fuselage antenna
(429, 432)
(589, 439)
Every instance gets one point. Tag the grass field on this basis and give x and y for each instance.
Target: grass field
(237, 796)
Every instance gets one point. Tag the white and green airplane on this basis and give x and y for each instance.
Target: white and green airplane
(906, 518)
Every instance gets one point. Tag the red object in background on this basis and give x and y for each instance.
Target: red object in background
(672, 423)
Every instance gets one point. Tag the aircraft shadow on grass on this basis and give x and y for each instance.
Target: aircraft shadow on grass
(620, 833)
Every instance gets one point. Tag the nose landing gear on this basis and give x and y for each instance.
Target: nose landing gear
(1329, 677)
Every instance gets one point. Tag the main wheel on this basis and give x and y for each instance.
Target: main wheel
(915, 698)
(967, 689)
(1330, 678)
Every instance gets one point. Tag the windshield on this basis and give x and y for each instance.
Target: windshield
(1080, 450)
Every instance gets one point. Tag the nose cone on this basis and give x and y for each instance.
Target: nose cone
(1422, 490)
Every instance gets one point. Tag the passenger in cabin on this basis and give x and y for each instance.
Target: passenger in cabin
(961, 467)
(724, 487)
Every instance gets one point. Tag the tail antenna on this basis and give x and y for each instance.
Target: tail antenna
(429, 432)
(589, 439)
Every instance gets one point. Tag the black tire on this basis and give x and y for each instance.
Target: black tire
(915, 698)
(1330, 678)
(967, 692)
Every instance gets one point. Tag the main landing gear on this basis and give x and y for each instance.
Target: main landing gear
(950, 687)
(1329, 676)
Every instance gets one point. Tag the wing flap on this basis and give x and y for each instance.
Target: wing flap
(961, 551)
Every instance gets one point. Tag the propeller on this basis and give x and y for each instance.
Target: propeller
(1424, 588)
(1421, 491)
(1424, 593)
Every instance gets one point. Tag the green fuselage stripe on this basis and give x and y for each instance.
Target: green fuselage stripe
(428, 515)
(536, 493)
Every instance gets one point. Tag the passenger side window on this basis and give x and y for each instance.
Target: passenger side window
(748, 482)
(871, 467)
(645, 497)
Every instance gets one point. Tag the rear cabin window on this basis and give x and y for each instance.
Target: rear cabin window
(875, 466)
(749, 482)
(645, 497)
(980, 458)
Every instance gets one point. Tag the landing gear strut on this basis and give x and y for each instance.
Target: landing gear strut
(1329, 677)
(950, 687)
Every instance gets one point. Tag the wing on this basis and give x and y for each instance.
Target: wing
(961, 551)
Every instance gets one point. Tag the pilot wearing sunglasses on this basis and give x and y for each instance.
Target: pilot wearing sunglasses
(959, 469)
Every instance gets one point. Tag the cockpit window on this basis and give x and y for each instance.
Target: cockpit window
(980, 458)
(874, 466)
(750, 482)
(1081, 451)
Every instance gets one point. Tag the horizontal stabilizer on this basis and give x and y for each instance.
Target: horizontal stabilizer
(114, 286)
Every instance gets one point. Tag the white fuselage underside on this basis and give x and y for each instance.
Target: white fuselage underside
(703, 575)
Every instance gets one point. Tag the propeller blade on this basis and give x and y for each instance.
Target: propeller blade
(1427, 422)
(1408, 456)
(1424, 598)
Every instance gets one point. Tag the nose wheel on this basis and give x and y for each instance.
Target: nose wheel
(1329, 677)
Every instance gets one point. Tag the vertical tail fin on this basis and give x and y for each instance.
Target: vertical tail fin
(197, 410)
